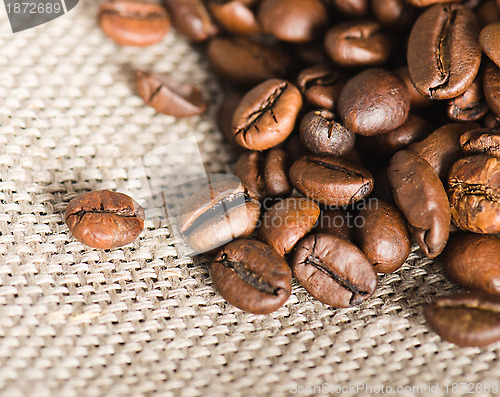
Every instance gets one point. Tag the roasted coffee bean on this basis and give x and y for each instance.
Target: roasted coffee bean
(321, 134)
(420, 195)
(357, 44)
(244, 62)
(135, 23)
(336, 221)
(383, 236)
(311, 54)
(286, 222)
(295, 149)
(467, 319)
(191, 18)
(491, 121)
(489, 39)
(234, 16)
(251, 276)
(333, 270)
(483, 140)
(386, 145)
(382, 189)
(320, 85)
(266, 114)
(443, 51)
(416, 98)
(373, 102)
(427, 3)
(351, 8)
(330, 180)
(471, 105)
(224, 117)
(474, 192)
(104, 219)
(442, 148)
(488, 13)
(265, 173)
(491, 87)
(218, 213)
(169, 96)
(293, 20)
(393, 14)
(473, 261)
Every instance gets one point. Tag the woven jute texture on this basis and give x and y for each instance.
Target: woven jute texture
(143, 320)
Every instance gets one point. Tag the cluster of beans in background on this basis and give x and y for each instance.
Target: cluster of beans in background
(337, 103)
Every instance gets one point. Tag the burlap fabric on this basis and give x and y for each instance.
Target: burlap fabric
(140, 320)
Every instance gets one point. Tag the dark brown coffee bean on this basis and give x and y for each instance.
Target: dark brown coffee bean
(104, 219)
(244, 62)
(266, 114)
(351, 8)
(488, 13)
(420, 195)
(474, 192)
(217, 214)
(386, 145)
(491, 87)
(169, 96)
(468, 319)
(251, 276)
(416, 98)
(491, 121)
(320, 85)
(135, 23)
(442, 148)
(336, 221)
(427, 3)
(224, 117)
(191, 18)
(331, 180)
(489, 39)
(321, 134)
(312, 53)
(234, 16)
(293, 20)
(265, 173)
(357, 44)
(373, 102)
(471, 105)
(393, 14)
(443, 51)
(382, 189)
(333, 270)
(286, 222)
(295, 149)
(483, 140)
(473, 261)
(383, 236)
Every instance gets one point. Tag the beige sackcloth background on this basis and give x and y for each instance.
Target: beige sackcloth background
(143, 320)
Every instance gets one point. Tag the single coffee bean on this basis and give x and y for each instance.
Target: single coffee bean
(491, 87)
(489, 39)
(416, 98)
(427, 3)
(393, 14)
(420, 195)
(293, 20)
(467, 319)
(234, 16)
(331, 180)
(169, 96)
(483, 140)
(224, 117)
(471, 105)
(286, 222)
(383, 236)
(266, 114)
(488, 13)
(443, 51)
(320, 85)
(244, 62)
(135, 23)
(191, 18)
(474, 192)
(321, 134)
(442, 148)
(336, 221)
(357, 44)
(104, 219)
(473, 261)
(386, 145)
(217, 214)
(251, 276)
(373, 102)
(333, 270)
(351, 8)
(265, 173)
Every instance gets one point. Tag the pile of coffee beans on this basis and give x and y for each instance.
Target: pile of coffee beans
(361, 126)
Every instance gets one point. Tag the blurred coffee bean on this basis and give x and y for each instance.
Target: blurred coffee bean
(488, 13)
(191, 18)
(416, 98)
(224, 117)
(489, 40)
(393, 14)
(471, 105)
(234, 16)
(491, 87)
(351, 8)
(336, 221)
(483, 140)
(320, 85)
